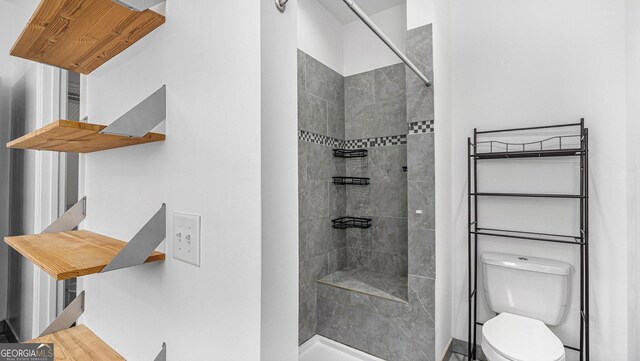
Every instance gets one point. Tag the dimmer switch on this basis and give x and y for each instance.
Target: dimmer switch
(186, 238)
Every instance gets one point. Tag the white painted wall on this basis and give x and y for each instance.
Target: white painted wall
(208, 55)
(6, 24)
(279, 329)
(633, 120)
(439, 15)
(422, 12)
(351, 48)
(320, 34)
(531, 63)
(31, 106)
(364, 51)
(22, 186)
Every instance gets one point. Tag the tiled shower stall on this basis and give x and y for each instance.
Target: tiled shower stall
(372, 289)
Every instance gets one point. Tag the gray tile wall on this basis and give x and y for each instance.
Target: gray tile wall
(419, 49)
(420, 148)
(322, 249)
(375, 106)
(385, 328)
(383, 247)
(377, 103)
(394, 331)
(320, 98)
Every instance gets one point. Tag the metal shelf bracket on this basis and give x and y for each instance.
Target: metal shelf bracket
(142, 118)
(68, 317)
(142, 244)
(138, 5)
(70, 219)
(162, 356)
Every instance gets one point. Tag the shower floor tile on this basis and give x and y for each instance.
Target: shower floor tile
(372, 283)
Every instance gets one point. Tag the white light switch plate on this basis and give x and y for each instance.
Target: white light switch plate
(186, 238)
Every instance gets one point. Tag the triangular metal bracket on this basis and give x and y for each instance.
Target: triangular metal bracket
(142, 244)
(162, 356)
(142, 118)
(138, 5)
(68, 317)
(70, 219)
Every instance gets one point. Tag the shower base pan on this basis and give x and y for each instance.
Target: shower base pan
(319, 348)
(377, 284)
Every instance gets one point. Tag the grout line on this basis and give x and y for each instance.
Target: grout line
(423, 277)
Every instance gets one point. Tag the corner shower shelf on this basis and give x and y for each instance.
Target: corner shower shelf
(389, 287)
(71, 136)
(81, 35)
(78, 343)
(132, 128)
(64, 253)
(350, 153)
(357, 181)
(351, 222)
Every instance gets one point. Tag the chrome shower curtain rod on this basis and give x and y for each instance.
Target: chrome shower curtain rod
(363, 16)
(281, 5)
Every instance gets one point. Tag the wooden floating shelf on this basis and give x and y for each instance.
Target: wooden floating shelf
(71, 254)
(71, 136)
(78, 344)
(81, 35)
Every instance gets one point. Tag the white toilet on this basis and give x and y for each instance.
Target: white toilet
(528, 294)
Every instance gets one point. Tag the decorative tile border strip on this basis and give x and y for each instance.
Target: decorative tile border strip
(414, 128)
(375, 142)
(421, 127)
(319, 139)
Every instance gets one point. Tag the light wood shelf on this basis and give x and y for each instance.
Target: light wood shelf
(81, 35)
(71, 136)
(78, 344)
(71, 254)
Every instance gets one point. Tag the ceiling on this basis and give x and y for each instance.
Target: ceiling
(342, 12)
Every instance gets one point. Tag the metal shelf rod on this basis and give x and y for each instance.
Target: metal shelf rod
(527, 238)
(471, 289)
(475, 242)
(528, 195)
(526, 232)
(530, 128)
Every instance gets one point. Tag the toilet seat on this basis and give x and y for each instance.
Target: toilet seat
(518, 338)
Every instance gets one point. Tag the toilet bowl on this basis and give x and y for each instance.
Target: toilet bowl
(509, 337)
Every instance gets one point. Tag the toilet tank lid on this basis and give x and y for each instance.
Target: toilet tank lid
(526, 263)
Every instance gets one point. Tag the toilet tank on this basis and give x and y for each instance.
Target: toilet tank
(526, 286)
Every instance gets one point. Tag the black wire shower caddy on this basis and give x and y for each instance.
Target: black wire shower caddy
(356, 181)
(351, 222)
(549, 147)
(350, 153)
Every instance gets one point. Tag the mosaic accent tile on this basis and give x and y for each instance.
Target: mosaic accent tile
(305, 136)
(375, 142)
(421, 127)
(391, 140)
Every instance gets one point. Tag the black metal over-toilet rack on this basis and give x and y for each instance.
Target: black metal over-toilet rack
(554, 146)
